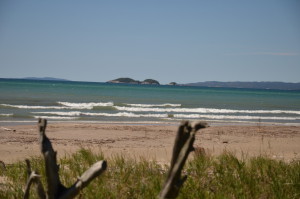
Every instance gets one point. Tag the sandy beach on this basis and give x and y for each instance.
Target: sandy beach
(153, 142)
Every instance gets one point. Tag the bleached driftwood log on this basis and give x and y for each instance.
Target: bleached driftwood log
(55, 189)
(182, 147)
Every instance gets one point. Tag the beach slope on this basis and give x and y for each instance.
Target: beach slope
(149, 141)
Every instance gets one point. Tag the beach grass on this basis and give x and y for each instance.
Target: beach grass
(223, 176)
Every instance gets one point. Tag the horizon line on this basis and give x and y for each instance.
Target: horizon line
(63, 79)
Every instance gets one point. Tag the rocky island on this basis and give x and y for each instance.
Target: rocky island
(172, 84)
(127, 80)
(150, 81)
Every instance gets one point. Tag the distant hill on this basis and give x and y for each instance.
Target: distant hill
(126, 80)
(172, 84)
(45, 78)
(254, 85)
(150, 81)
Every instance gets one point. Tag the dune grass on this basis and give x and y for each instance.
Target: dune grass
(224, 176)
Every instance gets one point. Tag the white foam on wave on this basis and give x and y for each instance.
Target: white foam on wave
(202, 110)
(71, 113)
(6, 115)
(162, 108)
(126, 114)
(56, 117)
(90, 105)
(244, 117)
(65, 105)
(33, 107)
(155, 105)
(178, 116)
(120, 114)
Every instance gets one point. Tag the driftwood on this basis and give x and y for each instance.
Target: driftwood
(55, 189)
(182, 147)
(33, 177)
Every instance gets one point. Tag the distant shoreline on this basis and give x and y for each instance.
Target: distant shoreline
(208, 84)
(250, 85)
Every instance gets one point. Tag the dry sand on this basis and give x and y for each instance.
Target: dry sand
(153, 142)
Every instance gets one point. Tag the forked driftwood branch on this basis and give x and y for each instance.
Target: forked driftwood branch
(55, 189)
(182, 147)
(33, 177)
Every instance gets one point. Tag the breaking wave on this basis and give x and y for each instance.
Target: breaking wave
(159, 108)
(6, 115)
(72, 113)
(154, 105)
(242, 117)
(203, 110)
(120, 114)
(99, 110)
(31, 107)
(178, 116)
(56, 117)
(65, 105)
(90, 105)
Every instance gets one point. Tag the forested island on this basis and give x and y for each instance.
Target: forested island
(127, 80)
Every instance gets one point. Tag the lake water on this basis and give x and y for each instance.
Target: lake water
(27, 100)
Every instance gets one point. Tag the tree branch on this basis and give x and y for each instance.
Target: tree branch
(55, 189)
(95, 170)
(52, 169)
(182, 147)
(33, 177)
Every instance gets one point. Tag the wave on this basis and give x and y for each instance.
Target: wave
(245, 117)
(56, 117)
(162, 108)
(65, 105)
(6, 115)
(120, 114)
(90, 105)
(33, 107)
(72, 113)
(203, 110)
(154, 105)
(127, 114)
(178, 116)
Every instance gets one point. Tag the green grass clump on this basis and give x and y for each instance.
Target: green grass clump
(229, 177)
(224, 176)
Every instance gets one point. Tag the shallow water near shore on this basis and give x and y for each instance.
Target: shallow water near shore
(23, 101)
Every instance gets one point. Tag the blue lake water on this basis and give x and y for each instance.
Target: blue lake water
(27, 100)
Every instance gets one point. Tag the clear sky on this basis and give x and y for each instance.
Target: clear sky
(167, 40)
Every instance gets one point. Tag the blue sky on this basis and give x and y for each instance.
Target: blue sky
(168, 40)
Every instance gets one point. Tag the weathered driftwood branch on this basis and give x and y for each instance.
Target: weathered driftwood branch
(54, 186)
(55, 189)
(33, 177)
(95, 170)
(182, 147)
